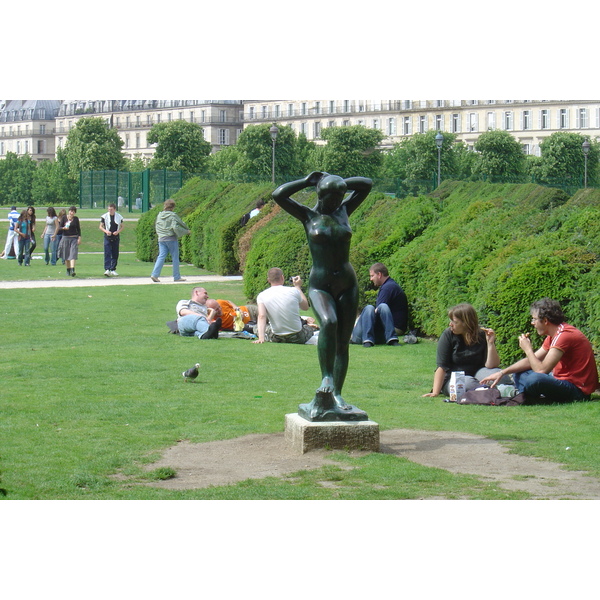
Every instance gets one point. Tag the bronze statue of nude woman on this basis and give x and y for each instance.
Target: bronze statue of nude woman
(332, 284)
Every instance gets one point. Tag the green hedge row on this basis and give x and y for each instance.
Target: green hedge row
(497, 246)
(212, 210)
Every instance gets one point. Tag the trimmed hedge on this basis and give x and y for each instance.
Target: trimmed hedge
(498, 246)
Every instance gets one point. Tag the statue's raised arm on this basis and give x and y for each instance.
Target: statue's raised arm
(282, 195)
(360, 188)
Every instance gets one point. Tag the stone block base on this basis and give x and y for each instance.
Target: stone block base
(303, 435)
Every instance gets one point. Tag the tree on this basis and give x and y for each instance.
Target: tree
(500, 157)
(180, 147)
(255, 147)
(351, 151)
(91, 145)
(16, 177)
(417, 157)
(562, 157)
(252, 156)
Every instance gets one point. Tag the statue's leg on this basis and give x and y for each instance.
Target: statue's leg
(346, 310)
(324, 307)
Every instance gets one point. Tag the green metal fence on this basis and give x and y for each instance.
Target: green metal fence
(137, 191)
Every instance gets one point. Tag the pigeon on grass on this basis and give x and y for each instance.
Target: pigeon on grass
(192, 373)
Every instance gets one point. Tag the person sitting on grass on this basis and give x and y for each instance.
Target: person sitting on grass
(563, 369)
(195, 319)
(465, 346)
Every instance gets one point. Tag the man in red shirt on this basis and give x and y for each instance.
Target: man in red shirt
(563, 369)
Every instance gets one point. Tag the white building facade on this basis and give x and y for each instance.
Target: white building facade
(39, 127)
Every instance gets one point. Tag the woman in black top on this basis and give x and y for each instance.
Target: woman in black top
(68, 249)
(464, 346)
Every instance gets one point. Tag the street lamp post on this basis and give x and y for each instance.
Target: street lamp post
(439, 140)
(586, 148)
(273, 131)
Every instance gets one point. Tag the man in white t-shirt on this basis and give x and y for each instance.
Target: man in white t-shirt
(281, 305)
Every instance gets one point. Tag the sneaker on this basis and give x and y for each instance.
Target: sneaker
(107, 273)
(114, 274)
(368, 344)
(155, 279)
(180, 279)
(73, 273)
(393, 343)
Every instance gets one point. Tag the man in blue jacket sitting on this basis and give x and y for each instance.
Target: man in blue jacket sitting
(384, 322)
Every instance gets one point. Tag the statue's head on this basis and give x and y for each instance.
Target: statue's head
(330, 191)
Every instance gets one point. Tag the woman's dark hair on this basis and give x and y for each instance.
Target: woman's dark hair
(548, 309)
(51, 212)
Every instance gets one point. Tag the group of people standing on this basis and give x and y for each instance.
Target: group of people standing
(61, 236)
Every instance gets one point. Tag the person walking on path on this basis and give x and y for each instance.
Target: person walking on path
(23, 229)
(12, 239)
(49, 236)
(169, 228)
(68, 249)
(111, 223)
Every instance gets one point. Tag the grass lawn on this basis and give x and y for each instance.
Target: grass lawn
(93, 388)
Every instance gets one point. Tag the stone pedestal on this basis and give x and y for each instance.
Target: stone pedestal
(303, 435)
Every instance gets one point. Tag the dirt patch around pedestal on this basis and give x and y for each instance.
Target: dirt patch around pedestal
(269, 455)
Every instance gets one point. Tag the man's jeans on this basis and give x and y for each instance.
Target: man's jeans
(165, 248)
(190, 325)
(111, 252)
(376, 327)
(534, 385)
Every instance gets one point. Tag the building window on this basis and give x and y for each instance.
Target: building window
(375, 123)
(439, 122)
(192, 116)
(582, 118)
(455, 123)
(439, 103)
(345, 123)
(545, 119)
(290, 110)
(491, 121)
(277, 111)
(137, 140)
(264, 112)
(508, 120)
(158, 117)
(223, 116)
(526, 124)
(42, 129)
(391, 126)
(138, 121)
(303, 108)
(331, 107)
(223, 137)
(250, 112)
(422, 124)
(317, 108)
(473, 122)
(526, 148)
(40, 146)
(317, 129)
(346, 105)
(331, 124)
(563, 118)
(407, 104)
(406, 126)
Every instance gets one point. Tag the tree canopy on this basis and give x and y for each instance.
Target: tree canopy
(562, 157)
(351, 151)
(500, 157)
(91, 145)
(180, 146)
